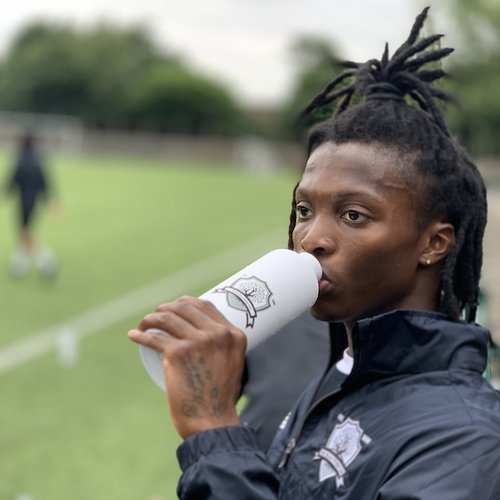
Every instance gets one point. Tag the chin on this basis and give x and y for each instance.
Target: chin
(323, 313)
(331, 312)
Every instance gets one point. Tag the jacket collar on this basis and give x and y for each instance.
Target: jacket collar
(408, 342)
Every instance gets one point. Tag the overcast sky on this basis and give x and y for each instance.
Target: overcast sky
(244, 43)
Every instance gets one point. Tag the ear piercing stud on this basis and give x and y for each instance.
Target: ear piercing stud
(428, 262)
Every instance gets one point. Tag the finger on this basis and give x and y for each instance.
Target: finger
(210, 325)
(153, 338)
(202, 314)
(196, 313)
(207, 320)
(168, 321)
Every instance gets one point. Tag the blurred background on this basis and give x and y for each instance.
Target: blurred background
(167, 135)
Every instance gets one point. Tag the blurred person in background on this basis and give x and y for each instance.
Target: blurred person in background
(30, 184)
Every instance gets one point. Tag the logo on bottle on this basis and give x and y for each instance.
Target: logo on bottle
(249, 295)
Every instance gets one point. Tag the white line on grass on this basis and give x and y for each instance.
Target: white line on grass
(135, 302)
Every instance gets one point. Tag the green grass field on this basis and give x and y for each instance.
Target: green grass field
(100, 430)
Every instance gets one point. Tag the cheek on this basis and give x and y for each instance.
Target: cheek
(296, 237)
(376, 262)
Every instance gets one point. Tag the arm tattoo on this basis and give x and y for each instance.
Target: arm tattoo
(204, 399)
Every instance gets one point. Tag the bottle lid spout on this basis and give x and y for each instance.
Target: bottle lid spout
(314, 263)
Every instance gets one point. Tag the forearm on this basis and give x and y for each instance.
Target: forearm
(225, 463)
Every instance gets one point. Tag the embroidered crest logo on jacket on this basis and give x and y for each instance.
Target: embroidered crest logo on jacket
(342, 448)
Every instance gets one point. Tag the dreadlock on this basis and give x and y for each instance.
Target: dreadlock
(397, 108)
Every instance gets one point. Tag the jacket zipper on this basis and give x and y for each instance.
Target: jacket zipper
(286, 454)
(292, 443)
(290, 446)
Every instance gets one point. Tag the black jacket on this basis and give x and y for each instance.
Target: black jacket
(29, 178)
(273, 383)
(415, 419)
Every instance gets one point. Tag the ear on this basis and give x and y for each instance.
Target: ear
(438, 242)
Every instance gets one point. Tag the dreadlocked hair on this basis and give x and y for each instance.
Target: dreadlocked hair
(397, 108)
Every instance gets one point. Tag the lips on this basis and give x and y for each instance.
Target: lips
(325, 285)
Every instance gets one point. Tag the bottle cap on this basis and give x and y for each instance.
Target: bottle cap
(314, 263)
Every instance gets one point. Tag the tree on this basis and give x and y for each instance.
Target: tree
(315, 59)
(478, 22)
(112, 77)
(116, 58)
(44, 72)
(171, 98)
(475, 69)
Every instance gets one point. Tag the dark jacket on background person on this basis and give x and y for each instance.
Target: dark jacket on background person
(30, 181)
(414, 419)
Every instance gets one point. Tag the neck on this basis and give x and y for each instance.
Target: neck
(348, 330)
(430, 304)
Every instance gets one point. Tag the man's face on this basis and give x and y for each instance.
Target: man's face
(358, 216)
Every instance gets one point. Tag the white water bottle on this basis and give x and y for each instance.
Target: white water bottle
(260, 299)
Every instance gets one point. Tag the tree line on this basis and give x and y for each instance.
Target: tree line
(113, 77)
(118, 78)
(474, 71)
(475, 74)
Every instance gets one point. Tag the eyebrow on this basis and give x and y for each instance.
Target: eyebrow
(341, 195)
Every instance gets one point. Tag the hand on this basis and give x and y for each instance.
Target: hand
(203, 359)
(55, 209)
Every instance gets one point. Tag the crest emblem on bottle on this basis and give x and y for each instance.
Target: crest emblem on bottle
(249, 295)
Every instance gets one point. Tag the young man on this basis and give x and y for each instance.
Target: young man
(395, 212)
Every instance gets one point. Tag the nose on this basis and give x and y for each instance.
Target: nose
(315, 237)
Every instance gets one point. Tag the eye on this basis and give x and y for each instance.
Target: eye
(353, 216)
(302, 212)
